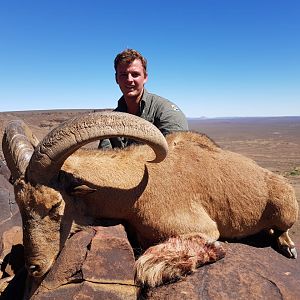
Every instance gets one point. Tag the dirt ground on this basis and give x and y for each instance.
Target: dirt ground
(274, 143)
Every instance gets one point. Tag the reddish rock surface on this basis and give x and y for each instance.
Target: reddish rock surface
(96, 263)
(12, 242)
(9, 211)
(246, 272)
(4, 170)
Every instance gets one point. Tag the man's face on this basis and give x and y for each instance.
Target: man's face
(131, 79)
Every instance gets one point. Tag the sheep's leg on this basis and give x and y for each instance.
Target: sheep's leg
(285, 244)
(176, 257)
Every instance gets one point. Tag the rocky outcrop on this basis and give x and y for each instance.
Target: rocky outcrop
(11, 249)
(10, 219)
(246, 272)
(9, 211)
(4, 170)
(96, 263)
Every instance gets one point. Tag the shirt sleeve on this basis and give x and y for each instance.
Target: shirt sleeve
(116, 142)
(170, 118)
(113, 142)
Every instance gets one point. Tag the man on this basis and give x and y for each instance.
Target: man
(131, 76)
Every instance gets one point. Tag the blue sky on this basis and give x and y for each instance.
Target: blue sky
(212, 58)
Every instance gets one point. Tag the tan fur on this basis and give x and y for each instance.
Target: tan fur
(175, 258)
(199, 188)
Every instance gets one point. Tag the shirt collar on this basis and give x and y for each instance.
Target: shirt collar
(143, 103)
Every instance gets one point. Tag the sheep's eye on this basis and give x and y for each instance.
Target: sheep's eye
(53, 208)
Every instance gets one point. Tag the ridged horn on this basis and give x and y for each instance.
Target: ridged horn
(18, 144)
(61, 142)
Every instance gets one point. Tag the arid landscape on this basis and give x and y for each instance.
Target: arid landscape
(273, 142)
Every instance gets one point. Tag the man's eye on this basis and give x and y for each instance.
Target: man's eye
(135, 75)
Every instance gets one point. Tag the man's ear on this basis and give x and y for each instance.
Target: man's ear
(116, 78)
(146, 78)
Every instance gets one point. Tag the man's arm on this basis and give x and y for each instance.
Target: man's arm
(170, 118)
(111, 143)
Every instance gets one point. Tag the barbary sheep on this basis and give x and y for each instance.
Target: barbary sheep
(178, 202)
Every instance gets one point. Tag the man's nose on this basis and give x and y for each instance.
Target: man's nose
(129, 77)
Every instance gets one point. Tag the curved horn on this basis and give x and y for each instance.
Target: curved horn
(61, 142)
(17, 144)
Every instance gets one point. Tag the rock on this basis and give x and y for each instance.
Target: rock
(4, 170)
(96, 263)
(12, 255)
(14, 286)
(9, 211)
(10, 238)
(246, 272)
(4, 282)
(11, 249)
(12, 262)
(5, 184)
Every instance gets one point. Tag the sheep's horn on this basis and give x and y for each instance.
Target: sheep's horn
(17, 145)
(61, 142)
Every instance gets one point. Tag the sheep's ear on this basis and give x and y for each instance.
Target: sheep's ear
(82, 190)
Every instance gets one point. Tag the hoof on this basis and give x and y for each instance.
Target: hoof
(289, 252)
(293, 253)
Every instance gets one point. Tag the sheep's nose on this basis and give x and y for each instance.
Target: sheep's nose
(33, 269)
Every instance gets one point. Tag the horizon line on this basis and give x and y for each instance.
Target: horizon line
(109, 109)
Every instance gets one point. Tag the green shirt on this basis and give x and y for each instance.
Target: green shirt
(164, 114)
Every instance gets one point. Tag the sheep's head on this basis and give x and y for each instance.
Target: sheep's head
(35, 167)
(42, 210)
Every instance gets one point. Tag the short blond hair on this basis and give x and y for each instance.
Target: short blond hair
(128, 56)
